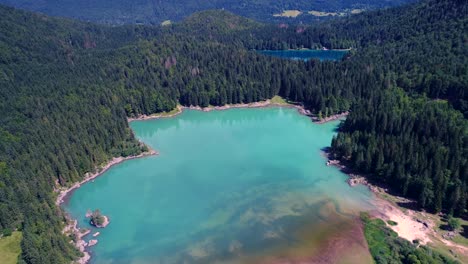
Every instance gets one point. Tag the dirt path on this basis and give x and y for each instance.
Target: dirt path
(408, 226)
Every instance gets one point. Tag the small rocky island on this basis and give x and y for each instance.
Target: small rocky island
(97, 219)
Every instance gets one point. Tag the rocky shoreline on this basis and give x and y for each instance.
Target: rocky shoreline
(353, 179)
(330, 118)
(261, 104)
(72, 229)
(412, 225)
(63, 192)
(409, 225)
(156, 116)
(71, 226)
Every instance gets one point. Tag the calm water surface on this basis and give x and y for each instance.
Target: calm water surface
(305, 55)
(234, 186)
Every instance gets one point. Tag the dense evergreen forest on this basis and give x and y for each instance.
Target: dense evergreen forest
(157, 11)
(416, 145)
(67, 88)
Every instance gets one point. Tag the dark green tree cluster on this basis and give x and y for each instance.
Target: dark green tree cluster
(96, 218)
(453, 223)
(417, 146)
(420, 48)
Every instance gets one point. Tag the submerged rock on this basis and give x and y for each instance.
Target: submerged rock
(333, 162)
(354, 180)
(92, 242)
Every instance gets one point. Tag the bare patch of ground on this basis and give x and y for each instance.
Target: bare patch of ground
(289, 13)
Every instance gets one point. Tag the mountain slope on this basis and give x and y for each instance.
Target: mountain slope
(421, 48)
(156, 11)
(67, 88)
(423, 45)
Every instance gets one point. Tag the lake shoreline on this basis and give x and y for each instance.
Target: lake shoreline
(71, 225)
(307, 49)
(64, 193)
(262, 104)
(408, 227)
(306, 54)
(412, 224)
(331, 118)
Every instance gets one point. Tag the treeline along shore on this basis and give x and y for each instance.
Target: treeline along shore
(71, 228)
(275, 102)
(63, 192)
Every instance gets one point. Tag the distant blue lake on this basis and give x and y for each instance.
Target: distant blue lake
(305, 55)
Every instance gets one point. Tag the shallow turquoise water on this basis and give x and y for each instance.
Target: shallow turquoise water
(227, 186)
(306, 55)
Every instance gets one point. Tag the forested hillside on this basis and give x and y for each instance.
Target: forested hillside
(157, 11)
(421, 47)
(415, 145)
(66, 91)
(67, 88)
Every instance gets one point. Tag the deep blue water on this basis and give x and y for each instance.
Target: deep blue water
(305, 55)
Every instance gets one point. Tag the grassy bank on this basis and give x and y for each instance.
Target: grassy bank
(10, 248)
(386, 247)
(278, 100)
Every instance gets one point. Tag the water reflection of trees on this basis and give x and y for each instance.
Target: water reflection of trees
(194, 118)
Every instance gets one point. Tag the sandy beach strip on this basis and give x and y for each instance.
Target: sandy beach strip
(410, 224)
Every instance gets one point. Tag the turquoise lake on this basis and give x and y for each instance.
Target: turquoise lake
(232, 186)
(305, 55)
